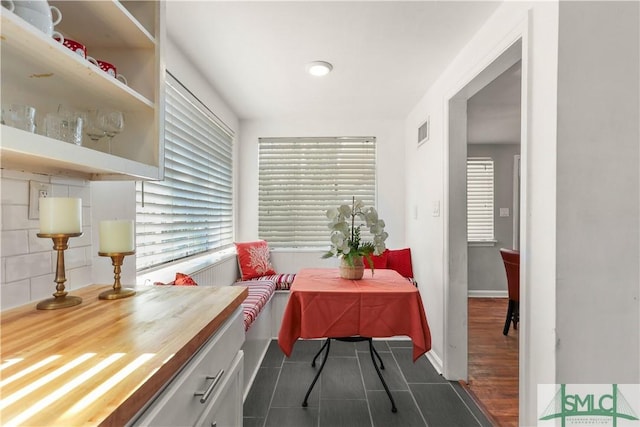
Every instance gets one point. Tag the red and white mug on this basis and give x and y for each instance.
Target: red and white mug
(76, 47)
(108, 68)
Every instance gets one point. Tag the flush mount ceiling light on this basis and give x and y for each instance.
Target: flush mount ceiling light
(319, 68)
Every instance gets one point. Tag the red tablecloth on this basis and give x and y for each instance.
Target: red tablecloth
(323, 305)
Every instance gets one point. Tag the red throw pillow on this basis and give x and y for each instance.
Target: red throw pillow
(184, 280)
(379, 261)
(254, 259)
(400, 261)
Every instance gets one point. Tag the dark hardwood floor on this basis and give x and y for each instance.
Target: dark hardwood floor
(493, 361)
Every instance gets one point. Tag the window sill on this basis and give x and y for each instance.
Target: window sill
(483, 243)
(166, 273)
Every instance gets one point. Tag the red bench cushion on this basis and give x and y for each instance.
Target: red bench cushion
(260, 291)
(283, 281)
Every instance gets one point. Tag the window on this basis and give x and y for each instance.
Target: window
(300, 178)
(190, 211)
(480, 199)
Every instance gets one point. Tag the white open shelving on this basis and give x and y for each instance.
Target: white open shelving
(39, 71)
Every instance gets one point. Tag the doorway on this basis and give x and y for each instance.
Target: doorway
(493, 132)
(455, 361)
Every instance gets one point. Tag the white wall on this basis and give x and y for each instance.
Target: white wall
(598, 238)
(390, 166)
(486, 269)
(427, 183)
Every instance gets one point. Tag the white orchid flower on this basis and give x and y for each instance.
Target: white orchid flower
(371, 217)
(333, 213)
(337, 239)
(379, 248)
(380, 238)
(345, 210)
(342, 227)
(359, 204)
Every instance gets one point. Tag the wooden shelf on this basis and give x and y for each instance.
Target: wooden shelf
(113, 25)
(37, 153)
(39, 71)
(43, 65)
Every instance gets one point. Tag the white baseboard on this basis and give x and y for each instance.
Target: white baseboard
(488, 294)
(435, 361)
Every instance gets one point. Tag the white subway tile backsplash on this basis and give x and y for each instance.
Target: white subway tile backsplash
(84, 240)
(78, 277)
(14, 192)
(14, 294)
(39, 244)
(14, 242)
(43, 287)
(69, 181)
(60, 190)
(86, 217)
(22, 175)
(25, 266)
(15, 217)
(83, 192)
(74, 258)
(28, 262)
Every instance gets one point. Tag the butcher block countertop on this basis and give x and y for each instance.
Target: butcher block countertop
(101, 361)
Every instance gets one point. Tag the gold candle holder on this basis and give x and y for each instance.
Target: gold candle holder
(60, 298)
(117, 258)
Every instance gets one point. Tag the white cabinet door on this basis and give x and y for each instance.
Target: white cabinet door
(197, 387)
(225, 409)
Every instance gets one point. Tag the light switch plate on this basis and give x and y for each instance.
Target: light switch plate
(37, 190)
(435, 208)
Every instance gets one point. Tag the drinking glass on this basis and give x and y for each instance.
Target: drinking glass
(19, 116)
(94, 127)
(66, 128)
(113, 124)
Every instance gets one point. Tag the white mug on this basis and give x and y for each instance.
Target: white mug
(43, 21)
(9, 4)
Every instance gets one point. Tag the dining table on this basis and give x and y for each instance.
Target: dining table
(382, 304)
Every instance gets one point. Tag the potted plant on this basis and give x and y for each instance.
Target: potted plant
(346, 241)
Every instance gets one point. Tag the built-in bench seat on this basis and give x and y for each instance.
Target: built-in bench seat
(282, 281)
(260, 292)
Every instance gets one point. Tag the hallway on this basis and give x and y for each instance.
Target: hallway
(493, 361)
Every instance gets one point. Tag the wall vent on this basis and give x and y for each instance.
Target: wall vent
(423, 132)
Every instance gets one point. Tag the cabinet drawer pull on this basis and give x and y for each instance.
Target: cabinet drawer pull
(205, 394)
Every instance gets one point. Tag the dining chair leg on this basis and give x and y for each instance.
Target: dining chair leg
(507, 322)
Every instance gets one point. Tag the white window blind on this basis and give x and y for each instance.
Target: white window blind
(480, 199)
(190, 211)
(300, 178)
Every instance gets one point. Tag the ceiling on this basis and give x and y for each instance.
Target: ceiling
(385, 54)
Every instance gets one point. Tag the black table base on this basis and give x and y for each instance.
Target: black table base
(372, 352)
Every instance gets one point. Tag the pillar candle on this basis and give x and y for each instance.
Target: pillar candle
(60, 215)
(116, 236)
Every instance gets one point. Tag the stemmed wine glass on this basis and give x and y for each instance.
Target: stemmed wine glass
(113, 125)
(94, 125)
(104, 123)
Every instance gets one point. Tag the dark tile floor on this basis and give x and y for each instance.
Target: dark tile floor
(349, 392)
